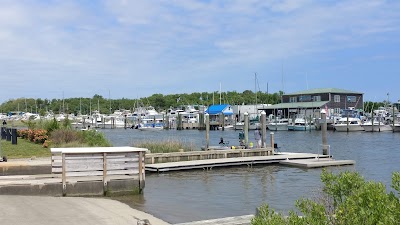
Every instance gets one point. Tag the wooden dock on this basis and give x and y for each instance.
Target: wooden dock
(236, 220)
(208, 164)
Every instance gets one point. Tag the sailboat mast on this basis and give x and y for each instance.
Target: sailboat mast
(255, 85)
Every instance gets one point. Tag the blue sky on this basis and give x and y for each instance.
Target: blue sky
(138, 48)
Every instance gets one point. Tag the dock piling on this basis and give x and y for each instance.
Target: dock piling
(246, 129)
(263, 129)
(323, 132)
(207, 117)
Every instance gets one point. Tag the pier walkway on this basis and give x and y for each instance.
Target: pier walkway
(305, 160)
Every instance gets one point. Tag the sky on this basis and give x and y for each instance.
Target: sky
(134, 49)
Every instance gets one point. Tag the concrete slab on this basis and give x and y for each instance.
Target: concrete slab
(35, 210)
(314, 163)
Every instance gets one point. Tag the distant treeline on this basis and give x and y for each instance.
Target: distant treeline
(158, 101)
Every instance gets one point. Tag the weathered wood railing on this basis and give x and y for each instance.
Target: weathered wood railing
(99, 164)
(200, 155)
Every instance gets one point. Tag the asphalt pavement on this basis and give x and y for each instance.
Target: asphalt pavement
(35, 210)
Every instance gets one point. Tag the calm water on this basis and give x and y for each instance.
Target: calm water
(197, 195)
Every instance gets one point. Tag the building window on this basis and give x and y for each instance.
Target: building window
(293, 99)
(351, 99)
(305, 98)
(337, 110)
(317, 98)
(336, 98)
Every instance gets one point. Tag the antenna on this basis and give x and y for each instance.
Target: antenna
(307, 79)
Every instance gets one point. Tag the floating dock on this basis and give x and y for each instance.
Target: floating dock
(305, 160)
(236, 220)
(315, 163)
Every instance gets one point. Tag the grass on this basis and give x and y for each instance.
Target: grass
(165, 146)
(23, 149)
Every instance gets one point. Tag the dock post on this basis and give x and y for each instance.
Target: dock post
(271, 136)
(105, 189)
(246, 130)
(347, 122)
(125, 122)
(372, 121)
(222, 121)
(323, 132)
(207, 131)
(263, 129)
(393, 119)
(166, 122)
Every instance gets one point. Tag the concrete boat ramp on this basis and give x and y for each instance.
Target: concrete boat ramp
(303, 160)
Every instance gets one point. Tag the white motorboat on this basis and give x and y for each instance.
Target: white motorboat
(348, 124)
(301, 124)
(376, 126)
(281, 124)
(252, 125)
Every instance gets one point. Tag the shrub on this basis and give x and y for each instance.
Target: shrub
(354, 201)
(63, 136)
(93, 138)
(164, 146)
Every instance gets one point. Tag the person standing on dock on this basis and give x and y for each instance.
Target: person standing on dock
(257, 136)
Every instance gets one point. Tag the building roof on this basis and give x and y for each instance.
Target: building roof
(324, 90)
(295, 105)
(217, 109)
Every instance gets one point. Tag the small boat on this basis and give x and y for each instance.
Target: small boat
(150, 126)
(301, 124)
(281, 124)
(396, 125)
(376, 126)
(348, 124)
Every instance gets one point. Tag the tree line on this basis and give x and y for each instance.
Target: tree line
(158, 101)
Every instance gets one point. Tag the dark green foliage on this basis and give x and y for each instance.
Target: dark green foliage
(353, 201)
(94, 139)
(159, 101)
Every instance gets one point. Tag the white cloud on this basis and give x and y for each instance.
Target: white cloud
(120, 42)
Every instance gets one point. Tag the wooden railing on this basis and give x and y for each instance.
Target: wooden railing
(99, 163)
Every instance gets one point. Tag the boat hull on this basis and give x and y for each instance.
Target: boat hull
(278, 127)
(377, 128)
(350, 128)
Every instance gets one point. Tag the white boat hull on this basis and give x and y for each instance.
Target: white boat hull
(396, 127)
(350, 128)
(277, 127)
(377, 128)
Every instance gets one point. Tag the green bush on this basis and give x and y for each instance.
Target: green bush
(348, 199)
(164, 146)
(93, 138)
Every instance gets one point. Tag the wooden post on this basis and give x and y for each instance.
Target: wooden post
(393, 119)
(323, 131)
(141, 171)
(223, 121)
(263, 129)
(372, 121)
(125, 122)
(166, 122)
(271, 135)
(64, 178)
(207, 131)
(104, 173)
(347, 122)
(246, 130)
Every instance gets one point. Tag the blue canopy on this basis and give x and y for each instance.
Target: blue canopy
(218, 109)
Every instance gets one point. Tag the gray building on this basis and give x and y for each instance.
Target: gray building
(310, 102)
